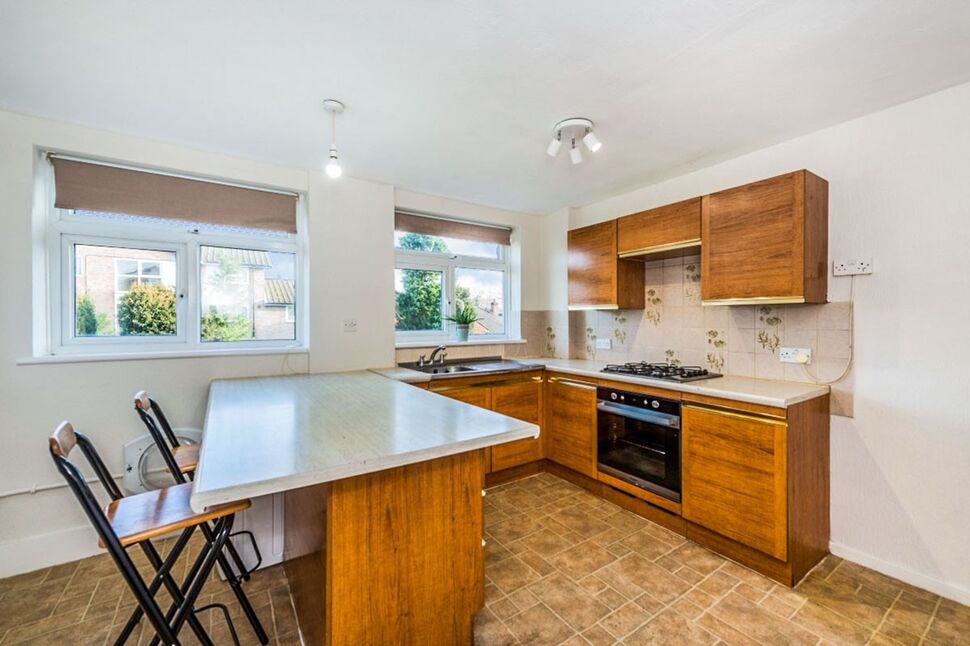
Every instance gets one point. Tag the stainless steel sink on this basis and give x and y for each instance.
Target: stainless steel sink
(443, 370)
(467, 366)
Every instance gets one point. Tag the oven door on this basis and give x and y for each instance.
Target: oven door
(640, 446)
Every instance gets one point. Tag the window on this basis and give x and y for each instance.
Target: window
(122, 282)
(444, 267)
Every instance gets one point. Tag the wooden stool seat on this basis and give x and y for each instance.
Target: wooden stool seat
(155, 513)
(186, 457)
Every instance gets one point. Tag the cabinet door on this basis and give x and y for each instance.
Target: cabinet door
(597, 277)
(665, 228)
(476, 396)
(571, 422)
(734, 477)
(766, 241)
(592, 265)
(521, 400)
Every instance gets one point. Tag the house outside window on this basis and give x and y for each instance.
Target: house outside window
(147, 283)
(444, 266)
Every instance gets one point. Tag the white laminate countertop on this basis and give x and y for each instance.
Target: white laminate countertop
(767, 392)
(272, 434)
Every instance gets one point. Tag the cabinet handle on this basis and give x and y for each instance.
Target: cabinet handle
(570, 382)
(729, 413)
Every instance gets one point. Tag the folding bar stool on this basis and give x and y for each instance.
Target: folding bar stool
(181, 461)
(136, 520)
(182, 471)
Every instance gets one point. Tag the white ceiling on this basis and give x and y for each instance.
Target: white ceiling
(458, 97)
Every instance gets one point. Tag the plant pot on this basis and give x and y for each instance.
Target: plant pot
(462, 332)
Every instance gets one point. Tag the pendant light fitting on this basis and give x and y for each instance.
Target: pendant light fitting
(333, 167)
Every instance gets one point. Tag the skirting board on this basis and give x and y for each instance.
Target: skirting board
(944, 589)
(264, 519)
(35, 552)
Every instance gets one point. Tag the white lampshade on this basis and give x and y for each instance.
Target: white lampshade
(592, 142)
(554, 147)
(333, 168)
(575, 156)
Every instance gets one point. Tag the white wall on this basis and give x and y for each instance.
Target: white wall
(899, 193)
(351, 265)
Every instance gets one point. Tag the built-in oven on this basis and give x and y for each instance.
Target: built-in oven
(638, 438)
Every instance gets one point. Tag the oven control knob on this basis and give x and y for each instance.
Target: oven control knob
(655, 404)
(613, 396)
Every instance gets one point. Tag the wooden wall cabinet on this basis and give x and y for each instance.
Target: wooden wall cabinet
(598, 279)
(766, 242)
(514, 395)
(571, 424)
(661, 231)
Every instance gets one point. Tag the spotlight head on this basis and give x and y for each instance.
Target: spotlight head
(575, 156)
(592, 142)
(554, 145)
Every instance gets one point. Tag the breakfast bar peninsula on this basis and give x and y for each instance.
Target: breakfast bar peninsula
(383, 491)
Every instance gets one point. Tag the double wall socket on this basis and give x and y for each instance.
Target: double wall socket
(852, 267)
(795, 355)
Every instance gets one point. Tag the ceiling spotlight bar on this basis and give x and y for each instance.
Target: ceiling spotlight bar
(573, 128)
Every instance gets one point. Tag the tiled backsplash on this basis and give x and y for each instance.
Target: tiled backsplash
(738, 340)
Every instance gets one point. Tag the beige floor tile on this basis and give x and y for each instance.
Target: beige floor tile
(562, 566)
(830, 625)
(625, 619)
(570, 602)
(511, 574)
(670, 629)
(759, 624)
(581, 560)
(539, 625)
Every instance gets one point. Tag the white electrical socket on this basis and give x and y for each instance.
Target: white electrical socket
(350, 325)
(795, 355)
(604, 344)
(852, 267)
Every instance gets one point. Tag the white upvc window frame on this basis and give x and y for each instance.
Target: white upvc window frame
(448, 264)
(64, 230)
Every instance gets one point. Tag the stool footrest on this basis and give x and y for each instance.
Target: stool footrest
(225, 613)
(245, 574)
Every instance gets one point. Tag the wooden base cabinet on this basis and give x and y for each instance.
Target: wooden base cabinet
(571, 424)
(521, 399)
(734, 476)
(756, 486)
(516, 395)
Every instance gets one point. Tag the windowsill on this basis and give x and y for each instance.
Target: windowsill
(165, 354)
(454, 344)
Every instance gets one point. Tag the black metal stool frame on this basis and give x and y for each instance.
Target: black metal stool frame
(168, 625)
(231, 577)
(167, 444)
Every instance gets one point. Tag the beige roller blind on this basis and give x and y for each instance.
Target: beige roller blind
(95, 187)
(450, 228)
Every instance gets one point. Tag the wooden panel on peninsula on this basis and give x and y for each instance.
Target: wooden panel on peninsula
(397, 566)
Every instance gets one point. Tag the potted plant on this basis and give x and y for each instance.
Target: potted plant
(463, 318)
